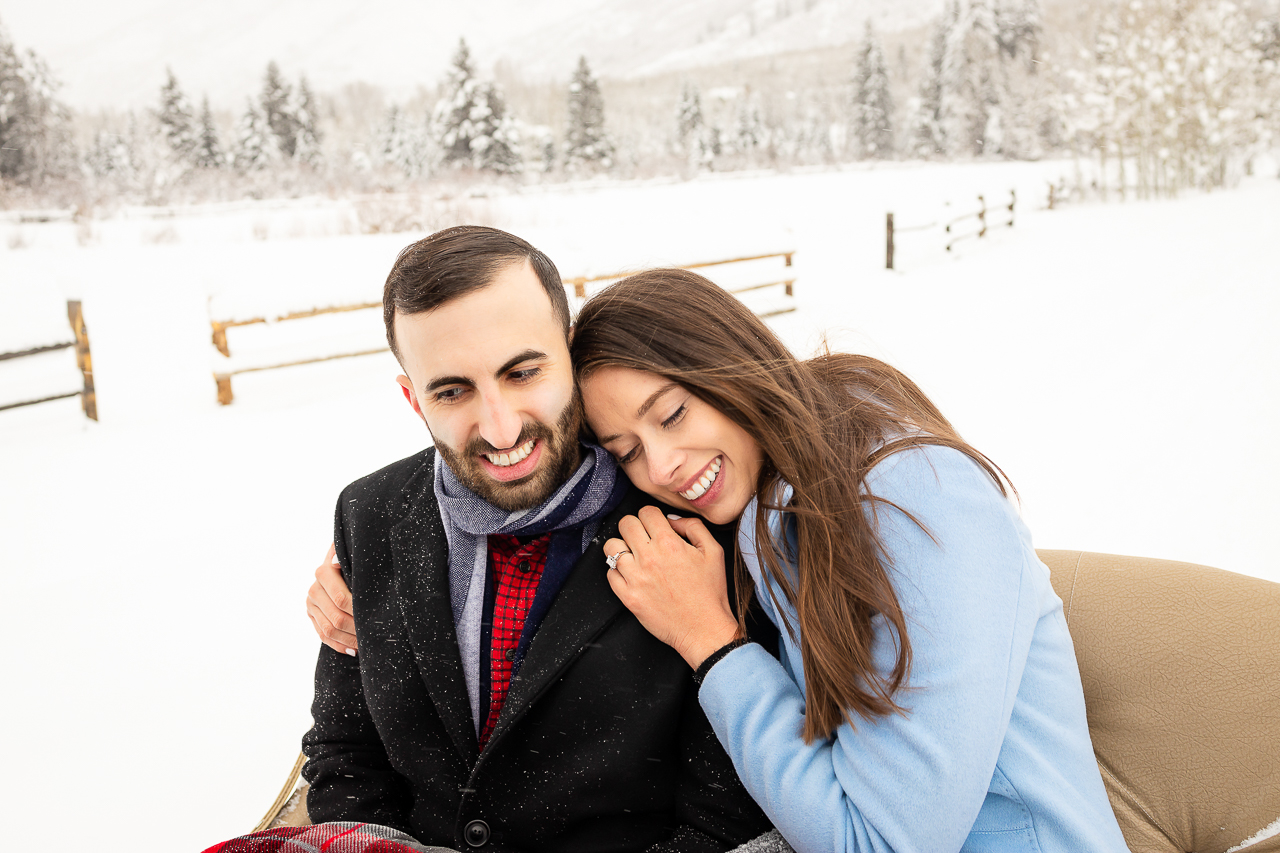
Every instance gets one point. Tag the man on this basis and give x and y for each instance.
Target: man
(502, 697)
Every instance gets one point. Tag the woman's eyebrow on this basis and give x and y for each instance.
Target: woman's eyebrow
(653, 398)
(642, 411)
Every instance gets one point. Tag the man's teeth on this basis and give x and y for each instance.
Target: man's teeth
(704, 482)
(503, 460)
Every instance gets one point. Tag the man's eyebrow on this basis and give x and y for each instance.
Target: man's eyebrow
(643, 410)
(527, 355)
(448, 380)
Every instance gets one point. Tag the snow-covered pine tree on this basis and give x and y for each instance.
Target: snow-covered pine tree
(748, 128)
(109, 156)
(926, 136)
(969, 111)
(988, 96)
(872, 102)
(255, 146)
(208, 153)
(35, 128)
(1018, 30)
(586, 143)
(453, 110)
(689, 115)
(496, 147)
(275, 101)
(176, 120)
(471, 123)
(306, 147)
(402, 144)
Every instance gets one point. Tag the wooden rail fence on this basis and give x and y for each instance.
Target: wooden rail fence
(580, 283)
(84, 361)
(220, 327)
(981, 216)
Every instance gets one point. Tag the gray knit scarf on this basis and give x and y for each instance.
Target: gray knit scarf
(572, 515)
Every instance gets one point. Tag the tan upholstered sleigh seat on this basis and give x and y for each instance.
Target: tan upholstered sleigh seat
(1181, 671)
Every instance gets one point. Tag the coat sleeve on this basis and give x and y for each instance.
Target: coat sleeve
(913, 781)
(716, 810)
(351, 777)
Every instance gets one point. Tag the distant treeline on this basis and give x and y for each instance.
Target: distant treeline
(1164, 94)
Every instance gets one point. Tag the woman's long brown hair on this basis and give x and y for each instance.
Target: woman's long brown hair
(821, 425)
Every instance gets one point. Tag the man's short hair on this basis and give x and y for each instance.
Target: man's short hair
(457, 261)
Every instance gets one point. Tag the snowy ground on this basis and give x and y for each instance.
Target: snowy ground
(1117, 360)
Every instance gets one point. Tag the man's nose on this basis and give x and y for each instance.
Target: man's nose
(500, 422)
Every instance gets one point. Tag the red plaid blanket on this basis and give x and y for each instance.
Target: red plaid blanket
(325, 838)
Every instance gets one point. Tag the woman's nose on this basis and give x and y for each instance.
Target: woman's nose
(663, 465)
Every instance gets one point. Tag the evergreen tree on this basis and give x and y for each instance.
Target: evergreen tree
(471, 121)
(585, 140)
(109, 156)
(255, 146)
(926, 113)
(748, 131)
(401, 144)
(689, 115)
(176, 119)
(306, 135)
(1018, 28)
(208, 153)
(275, 101)
(872, 103)
(35, 128)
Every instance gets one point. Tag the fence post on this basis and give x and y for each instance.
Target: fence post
(224, 388)
(888, 241)
(1013, 199)
(220, 338)
(982, 216)
(1051, 194)
(84, 361)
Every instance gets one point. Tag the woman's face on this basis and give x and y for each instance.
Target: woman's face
(672, 444)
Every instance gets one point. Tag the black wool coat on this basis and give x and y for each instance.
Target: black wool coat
(601, 745)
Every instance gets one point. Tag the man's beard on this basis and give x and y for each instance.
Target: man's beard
(560, 456)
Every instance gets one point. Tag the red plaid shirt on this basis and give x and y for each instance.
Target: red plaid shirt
(516, 571)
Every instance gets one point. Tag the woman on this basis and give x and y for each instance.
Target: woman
(926, 696)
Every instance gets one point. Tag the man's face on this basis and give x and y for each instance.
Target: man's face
(489, 373)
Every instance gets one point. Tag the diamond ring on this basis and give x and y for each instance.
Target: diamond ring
(612, 560)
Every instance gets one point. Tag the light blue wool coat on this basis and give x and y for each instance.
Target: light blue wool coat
(993, 753)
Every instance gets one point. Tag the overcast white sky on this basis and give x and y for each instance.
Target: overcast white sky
(114, 54)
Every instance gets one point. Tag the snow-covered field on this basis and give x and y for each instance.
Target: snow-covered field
(1118, 361)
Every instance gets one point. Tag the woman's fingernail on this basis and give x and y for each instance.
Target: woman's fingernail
(351, 652)
(674, 517)
(335, 560)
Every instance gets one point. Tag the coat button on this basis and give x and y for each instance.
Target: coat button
(524, 567)
(476, 834)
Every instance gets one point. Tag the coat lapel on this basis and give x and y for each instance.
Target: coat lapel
(583, 608)
(421, 554)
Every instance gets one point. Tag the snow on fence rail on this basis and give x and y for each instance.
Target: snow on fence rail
(50, 373)
(980, 216)
(358, 333)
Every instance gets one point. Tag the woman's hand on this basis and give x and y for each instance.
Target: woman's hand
(676, 588)
(329, 606)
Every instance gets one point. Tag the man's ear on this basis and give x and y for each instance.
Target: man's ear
(406, 385)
